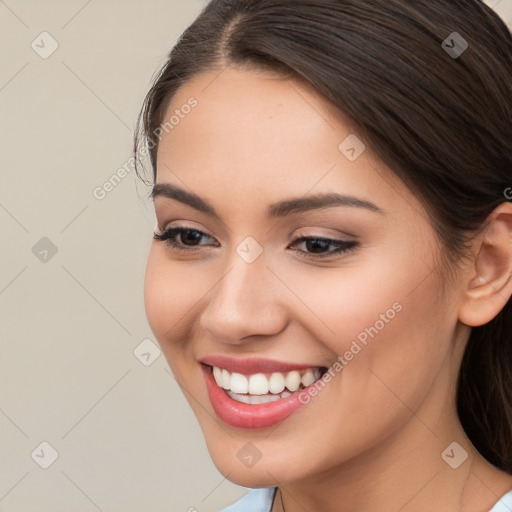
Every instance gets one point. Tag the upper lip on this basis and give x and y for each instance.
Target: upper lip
(251, 365)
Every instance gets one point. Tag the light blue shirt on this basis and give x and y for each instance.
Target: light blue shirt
(256, 500)
(260, 500)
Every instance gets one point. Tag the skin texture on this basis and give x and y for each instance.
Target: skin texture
(372, 439)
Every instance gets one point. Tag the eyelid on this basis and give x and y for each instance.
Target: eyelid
(315, 233)
(187, 225)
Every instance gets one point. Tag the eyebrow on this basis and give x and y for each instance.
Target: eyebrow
(276, 210)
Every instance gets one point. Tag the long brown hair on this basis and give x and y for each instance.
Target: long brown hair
(442, 121)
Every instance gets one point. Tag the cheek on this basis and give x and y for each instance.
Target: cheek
(341, 304)
(170, 295)
(386, 322)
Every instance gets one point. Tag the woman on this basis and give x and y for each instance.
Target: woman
(331, 273)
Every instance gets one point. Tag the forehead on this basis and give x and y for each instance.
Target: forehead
(253, 130)
(258, 110)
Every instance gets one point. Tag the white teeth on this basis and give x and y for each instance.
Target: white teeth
(217, 374)
(239, 383)
(254, 399)
(308, 378)
(258, 384)
(226, 377)
(293, 380)
(278, 385)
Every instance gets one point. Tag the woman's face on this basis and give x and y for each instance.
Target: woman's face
(251, 298)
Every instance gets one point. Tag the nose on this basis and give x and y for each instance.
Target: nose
(245, 302)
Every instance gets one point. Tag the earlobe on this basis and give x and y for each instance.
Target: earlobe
(490, 287)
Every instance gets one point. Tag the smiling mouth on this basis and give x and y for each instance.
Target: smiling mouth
(261, 388)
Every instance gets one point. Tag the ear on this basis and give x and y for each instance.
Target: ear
(489, 286)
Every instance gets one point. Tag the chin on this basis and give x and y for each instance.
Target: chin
(260, 474)
(254, 478)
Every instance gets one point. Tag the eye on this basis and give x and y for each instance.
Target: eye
(188, 238)
(319, 246)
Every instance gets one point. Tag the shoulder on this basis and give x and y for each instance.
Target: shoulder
(256, 500)
(504, 505)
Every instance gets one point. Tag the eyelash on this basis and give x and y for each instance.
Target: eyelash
(342, 246)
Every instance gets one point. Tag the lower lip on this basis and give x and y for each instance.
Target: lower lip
(249, 416)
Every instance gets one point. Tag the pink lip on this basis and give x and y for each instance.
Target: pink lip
(248, 416)
(253, 365)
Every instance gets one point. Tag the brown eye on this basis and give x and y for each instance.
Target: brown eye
(178, 237)
(318, 247)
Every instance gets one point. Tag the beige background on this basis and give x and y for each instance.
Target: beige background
(71, 321)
